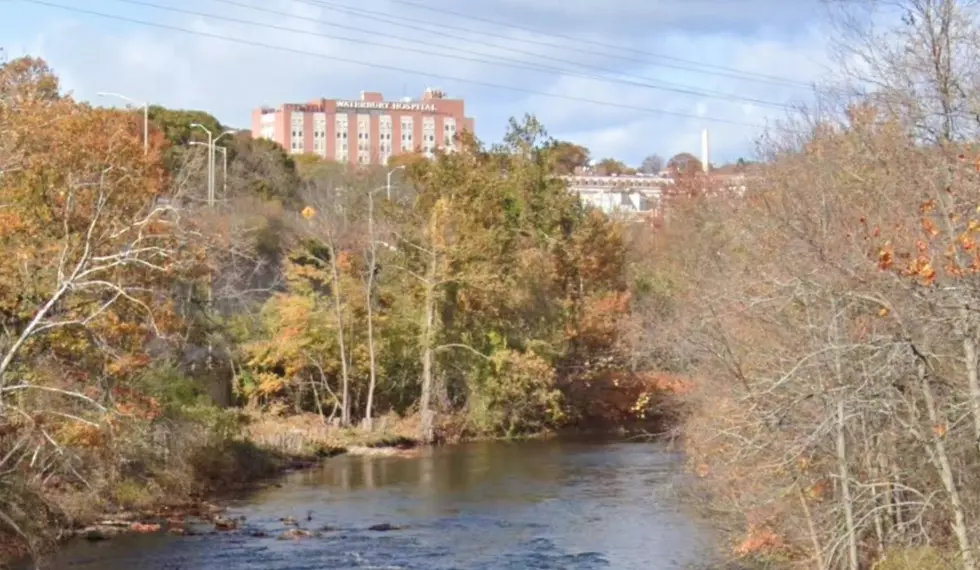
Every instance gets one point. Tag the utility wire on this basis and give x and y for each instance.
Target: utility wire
(488, 59)
(391, 67)
(648, 58)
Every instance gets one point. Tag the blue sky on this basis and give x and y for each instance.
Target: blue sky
(566, 61)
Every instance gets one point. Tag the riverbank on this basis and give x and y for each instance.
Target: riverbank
(179, 472)
(491, 504)
(199, 462)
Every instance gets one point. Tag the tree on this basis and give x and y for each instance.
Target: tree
(652, 164)
(569, 157)
(95, 247)
(175, 127)
(611, 166)
(327, 221)
(175, 124)
(262, 168)
(99, 215)
(685, 163)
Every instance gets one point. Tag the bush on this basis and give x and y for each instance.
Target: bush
(922, 558)
(521, 396)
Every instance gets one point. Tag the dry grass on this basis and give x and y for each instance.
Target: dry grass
(310, 435)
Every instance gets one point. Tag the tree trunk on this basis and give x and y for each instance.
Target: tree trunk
(973, 380)
(939, 457)
(814, 538)
(368, 408)
(341, 340)
(428, 333)
(841, 447)
(845, 486)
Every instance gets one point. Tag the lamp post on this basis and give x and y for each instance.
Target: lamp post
(212, 141)
(218, 138)
(146, 117)
(210, 161)
(224, 169)
(224, 181)
(205, 145)
(388, 186)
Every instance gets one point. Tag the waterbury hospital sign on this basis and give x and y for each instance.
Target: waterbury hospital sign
(386, 105)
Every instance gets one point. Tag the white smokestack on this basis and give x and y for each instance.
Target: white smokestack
(705, 150)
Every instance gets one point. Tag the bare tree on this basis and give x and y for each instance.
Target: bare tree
(327, 222)
(652, 164)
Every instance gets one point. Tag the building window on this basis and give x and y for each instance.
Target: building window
(429, 136)
(384, 138)
(320, 133)
(364, 139)
(297, 136)
(341, 125)
(408, 129)
(449, 126)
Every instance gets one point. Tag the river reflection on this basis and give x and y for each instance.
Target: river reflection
(542, 504)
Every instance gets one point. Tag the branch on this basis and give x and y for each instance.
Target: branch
(19, 387)
(464, 347)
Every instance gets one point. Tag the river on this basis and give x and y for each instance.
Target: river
(549, 504)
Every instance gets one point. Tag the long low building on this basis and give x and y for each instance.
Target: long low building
(619, 194)
(626, 194)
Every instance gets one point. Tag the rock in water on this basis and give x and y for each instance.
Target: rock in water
(295, 534)
(221, 523)
(384, 527)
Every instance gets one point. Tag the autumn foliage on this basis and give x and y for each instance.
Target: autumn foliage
(826, 321)
(92, 258)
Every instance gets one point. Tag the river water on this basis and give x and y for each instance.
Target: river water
(488, 506)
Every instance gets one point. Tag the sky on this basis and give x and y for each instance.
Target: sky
(625, 78)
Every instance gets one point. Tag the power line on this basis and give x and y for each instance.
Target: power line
(517, 64)
(758, 76)
(390, 67)
(709, 69)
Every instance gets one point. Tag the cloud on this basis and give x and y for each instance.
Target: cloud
(617, 101)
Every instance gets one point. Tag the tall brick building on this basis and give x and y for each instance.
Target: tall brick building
(368, 130)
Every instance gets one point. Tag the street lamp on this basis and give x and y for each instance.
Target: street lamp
(218, 138)
(205, 145)
(224, 181)
(146, 118)
(224, 169)
(388, 186)
(212, 141)
(210, 161)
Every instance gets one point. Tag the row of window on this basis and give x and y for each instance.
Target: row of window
(297, 135)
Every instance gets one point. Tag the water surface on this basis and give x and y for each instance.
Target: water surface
(485, 506)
